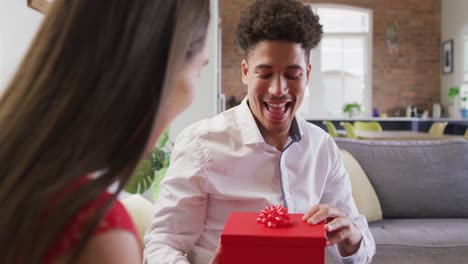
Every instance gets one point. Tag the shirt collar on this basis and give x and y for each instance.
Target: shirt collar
(250, 131)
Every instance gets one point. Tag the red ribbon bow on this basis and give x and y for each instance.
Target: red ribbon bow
(273, 216)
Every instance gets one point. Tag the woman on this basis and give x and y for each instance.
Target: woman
(100, 83)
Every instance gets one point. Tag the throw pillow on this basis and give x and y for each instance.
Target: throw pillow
(141, 212)
(364, 194)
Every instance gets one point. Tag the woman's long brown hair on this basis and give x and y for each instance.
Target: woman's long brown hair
(85, 99)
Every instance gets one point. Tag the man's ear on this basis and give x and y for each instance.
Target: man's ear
(309, 69)
(245, 71)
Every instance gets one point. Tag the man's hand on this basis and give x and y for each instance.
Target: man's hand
(217, 256)
(340, 230)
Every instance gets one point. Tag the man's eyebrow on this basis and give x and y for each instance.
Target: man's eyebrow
(294, 67)
(264, 66)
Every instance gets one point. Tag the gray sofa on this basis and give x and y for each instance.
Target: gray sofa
(423, 191)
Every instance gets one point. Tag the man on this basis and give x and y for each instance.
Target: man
(259, 153)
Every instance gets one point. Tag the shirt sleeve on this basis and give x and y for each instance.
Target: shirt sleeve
(338, 193)
(181, 205)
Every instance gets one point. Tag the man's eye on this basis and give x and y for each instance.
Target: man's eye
(294, 77)
(263, 76)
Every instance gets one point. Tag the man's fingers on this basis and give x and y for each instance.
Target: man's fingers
(324, 212)
(217, 256)
(311, 212)
(337, 236)
(336, 224)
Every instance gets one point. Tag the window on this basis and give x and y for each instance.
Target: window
(465, 58)
(464, 86)
(341, 63)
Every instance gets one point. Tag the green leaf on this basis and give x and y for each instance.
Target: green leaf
(349, 106)
(453, 92)
(141, 179)
(163, 140)
(156, 185)
(158, 159)
(149, 169)
(167, 162)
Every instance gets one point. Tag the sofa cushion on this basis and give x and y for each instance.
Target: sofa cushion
(415, 179)
(364, 195)
(420, 240)
(141, 212)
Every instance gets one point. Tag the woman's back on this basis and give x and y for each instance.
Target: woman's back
(115, 222)
(88, 97)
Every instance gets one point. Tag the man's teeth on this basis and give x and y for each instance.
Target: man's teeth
(276, 108)
(277, 105)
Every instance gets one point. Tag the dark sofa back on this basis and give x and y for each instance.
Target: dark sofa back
(415, 179)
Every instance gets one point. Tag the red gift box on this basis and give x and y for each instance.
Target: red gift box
(246, 241)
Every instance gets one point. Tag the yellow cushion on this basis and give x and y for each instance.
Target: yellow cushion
(364, 195)
(141, 212)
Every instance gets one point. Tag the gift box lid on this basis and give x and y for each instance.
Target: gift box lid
(244, 228)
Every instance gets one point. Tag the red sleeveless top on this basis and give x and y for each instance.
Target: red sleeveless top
(116, 218)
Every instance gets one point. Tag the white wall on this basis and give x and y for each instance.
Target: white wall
(454, 24)
(18, 24)
(205, 103)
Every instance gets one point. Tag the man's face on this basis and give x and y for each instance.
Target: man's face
(276, 75)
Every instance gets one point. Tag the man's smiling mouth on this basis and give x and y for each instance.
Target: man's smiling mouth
(277, 108)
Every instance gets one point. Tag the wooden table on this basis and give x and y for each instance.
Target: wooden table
(397, 135)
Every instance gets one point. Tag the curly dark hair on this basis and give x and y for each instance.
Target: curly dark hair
(287, 20)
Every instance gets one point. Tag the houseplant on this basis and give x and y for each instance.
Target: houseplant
(352, 109)
(151, 170)
(453, 92)
(454, 108)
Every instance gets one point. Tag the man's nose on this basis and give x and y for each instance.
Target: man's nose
(278, 87)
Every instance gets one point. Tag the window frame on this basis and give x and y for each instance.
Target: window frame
(367, 103)
(464, 67)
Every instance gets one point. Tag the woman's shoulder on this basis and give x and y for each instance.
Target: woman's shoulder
(116, 217)
(113, 246)
(115, 221)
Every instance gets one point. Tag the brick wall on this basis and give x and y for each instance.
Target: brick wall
(411, 76)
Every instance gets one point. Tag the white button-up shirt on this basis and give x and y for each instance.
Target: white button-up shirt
(223, 165)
